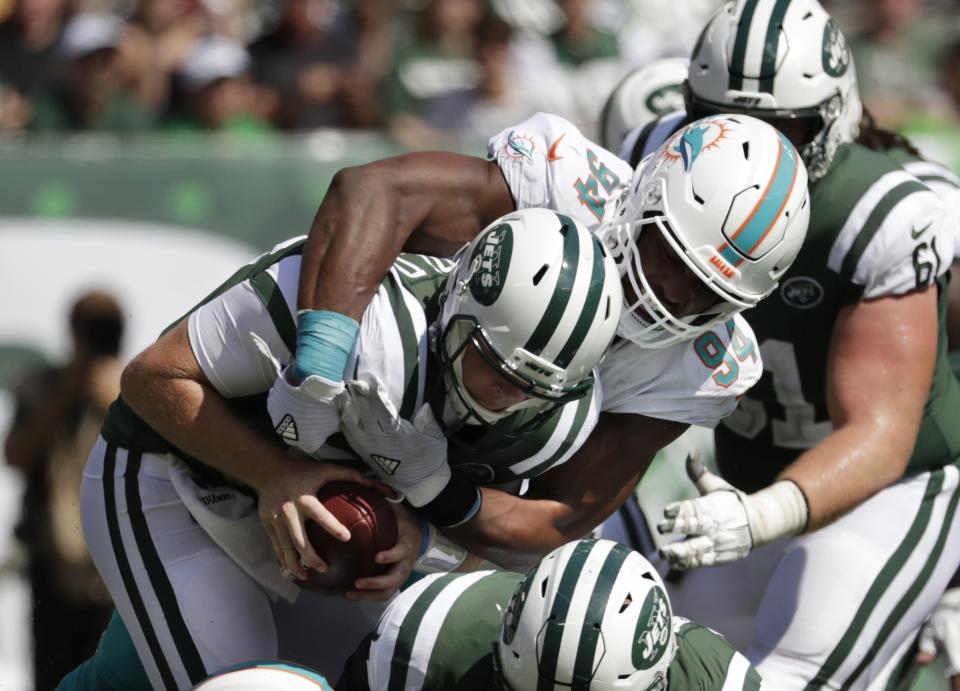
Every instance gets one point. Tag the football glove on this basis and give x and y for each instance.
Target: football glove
(940, 634)
(724, 524)
(306, 415)
(410, 456)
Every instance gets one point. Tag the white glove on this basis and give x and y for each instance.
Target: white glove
(724, 524)
(306, 415)
(410, 457)
(940, 634)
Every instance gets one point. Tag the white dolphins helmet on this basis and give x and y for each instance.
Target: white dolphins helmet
(539, 297)
(641, 97)
(265, 676)
(593, 615)
(776, 59)
(729, 195)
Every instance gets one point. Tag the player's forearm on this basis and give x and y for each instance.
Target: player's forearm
(512, 531)
(354, 239)
(849, 466)
(196, 419)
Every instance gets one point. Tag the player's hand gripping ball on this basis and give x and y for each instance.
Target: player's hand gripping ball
(373, 528)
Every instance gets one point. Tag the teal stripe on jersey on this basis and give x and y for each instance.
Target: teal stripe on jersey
(771, 44)
(561, 292)
(873, 223)
(553, 635)
(407, 635)
(186, 648)
(774, 198)
(919, 583)
(410, 344)
(589, 312)
(739, 57)
(880, 585)
(126, 573)
(599, 599)
(272, 298)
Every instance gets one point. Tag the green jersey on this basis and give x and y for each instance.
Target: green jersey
(875, 231)
(392, 345)
(438, 635)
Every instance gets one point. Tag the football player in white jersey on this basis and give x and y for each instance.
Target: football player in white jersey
(186, 502)
(700, 232)
(876, 456)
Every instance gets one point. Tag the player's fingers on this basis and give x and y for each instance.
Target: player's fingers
(289, 556)
(398, 552)
(926, 644)
(311, 507)
(338, 473)
(689, 554)
(681, 517)
(298, 535)
(381, 587)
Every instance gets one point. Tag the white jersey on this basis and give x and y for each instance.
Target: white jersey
(392, 346)
(547, 162)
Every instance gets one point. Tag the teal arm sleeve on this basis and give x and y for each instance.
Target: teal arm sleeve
(324, 342)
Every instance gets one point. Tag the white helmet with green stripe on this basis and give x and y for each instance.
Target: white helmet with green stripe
(539, 297)
(641, 97)
(779, 59)
(727, 194)
(593, 615)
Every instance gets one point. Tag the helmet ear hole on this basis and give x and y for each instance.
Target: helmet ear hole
(537, 277)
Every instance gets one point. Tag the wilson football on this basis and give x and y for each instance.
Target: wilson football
(373, 528)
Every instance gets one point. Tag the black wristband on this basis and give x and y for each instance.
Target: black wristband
(458, 502)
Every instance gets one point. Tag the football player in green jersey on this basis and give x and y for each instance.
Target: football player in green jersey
(593, 614)
(183, 495)
(857, 407)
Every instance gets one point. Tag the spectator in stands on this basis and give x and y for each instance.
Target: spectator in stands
(579, 40)
(14, 109)
(93, 91)
(434, 73)
(59, 411)
(28, 45)
(161, 35)
(310, 61)
(218, 90)
(897, 56)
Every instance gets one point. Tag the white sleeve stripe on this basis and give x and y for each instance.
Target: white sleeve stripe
(927, 168)
(736, 673)
(381, 649)
(427, 635)
(559, 434)
(859, 215)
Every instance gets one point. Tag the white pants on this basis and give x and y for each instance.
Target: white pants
(189, 608)
(837, 608)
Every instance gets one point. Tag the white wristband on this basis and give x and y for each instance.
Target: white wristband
(776, 511)
(440, 554)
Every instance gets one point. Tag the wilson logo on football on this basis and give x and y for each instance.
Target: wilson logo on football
(387, 465)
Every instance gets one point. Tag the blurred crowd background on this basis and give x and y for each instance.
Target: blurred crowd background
(424, 71)
(148, 147)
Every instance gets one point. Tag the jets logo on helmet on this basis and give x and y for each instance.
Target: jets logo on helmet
(836, 54)
(592, 614)
(640, 98)
(779, 59)
(539, 298)
(728, 195)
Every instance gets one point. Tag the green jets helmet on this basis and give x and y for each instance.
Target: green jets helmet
(539, 297)
(592, 615)
(777, 59)
(642, 96)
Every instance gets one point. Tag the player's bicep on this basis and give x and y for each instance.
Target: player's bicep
(881, 360)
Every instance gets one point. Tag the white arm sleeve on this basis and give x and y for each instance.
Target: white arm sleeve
(220, 338)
